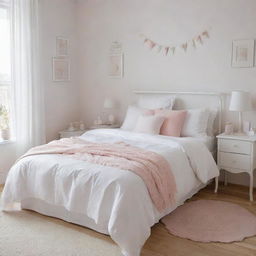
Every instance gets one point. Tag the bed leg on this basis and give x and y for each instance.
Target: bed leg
(216, 184)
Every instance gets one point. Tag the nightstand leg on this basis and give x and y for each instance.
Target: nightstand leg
(251, 187)
(216, 184)
(226, 178)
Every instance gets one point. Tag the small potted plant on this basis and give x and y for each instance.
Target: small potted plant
(4, 123)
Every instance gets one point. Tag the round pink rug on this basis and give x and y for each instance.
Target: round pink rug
(211, 221)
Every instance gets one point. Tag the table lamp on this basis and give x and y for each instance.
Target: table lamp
(240, 101)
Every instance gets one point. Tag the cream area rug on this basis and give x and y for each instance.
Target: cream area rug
(211, 221)
(25, 233)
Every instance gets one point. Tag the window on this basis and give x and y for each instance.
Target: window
(5, 66)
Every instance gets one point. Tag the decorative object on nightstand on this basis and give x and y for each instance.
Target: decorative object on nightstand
(81, 126)
(71, 127)
(98, 121)
(240, 101)
(105, 126)
(252, 132)
(68, 134)
(246, 127)
(108, 105)
(229, 129)
(237, 154)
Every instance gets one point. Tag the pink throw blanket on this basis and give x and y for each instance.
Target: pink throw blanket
(151, 167)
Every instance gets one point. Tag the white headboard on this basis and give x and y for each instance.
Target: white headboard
(190, 100)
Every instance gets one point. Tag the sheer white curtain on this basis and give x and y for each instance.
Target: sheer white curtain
(27, 90)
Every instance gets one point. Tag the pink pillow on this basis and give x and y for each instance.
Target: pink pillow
(149, 124)
(173, 122)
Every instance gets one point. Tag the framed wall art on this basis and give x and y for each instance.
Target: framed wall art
(61, 69)
(116, 65)
(243, 53)
(62, 46)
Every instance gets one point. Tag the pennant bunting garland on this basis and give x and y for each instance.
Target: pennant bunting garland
(167, 50)
(184, 47)
(206, 34)
(149, 43)
(194, 43)
(199, 39)
(159, 48)
(170, 50)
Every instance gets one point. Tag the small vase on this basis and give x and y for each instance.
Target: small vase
(111, 119)
(5, 134)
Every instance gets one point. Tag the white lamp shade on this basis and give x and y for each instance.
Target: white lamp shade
(240, 101)
(108, 103)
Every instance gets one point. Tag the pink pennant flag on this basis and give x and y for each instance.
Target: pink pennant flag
(206, 34)
(173, 49)
(150, 43)
(184, 47)
(153, 44)
(194, 43)
(199, 39)
(159, 48)
(166, 50)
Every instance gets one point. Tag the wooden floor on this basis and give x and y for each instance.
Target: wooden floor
(161, 243)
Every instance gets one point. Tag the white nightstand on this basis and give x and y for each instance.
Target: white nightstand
(104, 126)
(68, 134)
(236, 154)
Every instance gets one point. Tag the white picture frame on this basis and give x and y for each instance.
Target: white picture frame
(60, 69)
(243, 53)
(116, 65)
(62, 46)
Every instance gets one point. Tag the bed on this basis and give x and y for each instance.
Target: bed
(110, 201)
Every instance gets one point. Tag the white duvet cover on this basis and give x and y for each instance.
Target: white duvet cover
(115, 202)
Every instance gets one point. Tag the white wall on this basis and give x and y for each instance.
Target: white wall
(168, 21)
(57, 18)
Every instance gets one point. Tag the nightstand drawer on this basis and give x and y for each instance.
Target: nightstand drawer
(234, 161)
(235, 146)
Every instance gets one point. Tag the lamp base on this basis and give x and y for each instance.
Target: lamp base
(240, 127)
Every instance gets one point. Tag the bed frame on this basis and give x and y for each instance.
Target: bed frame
(188, 100)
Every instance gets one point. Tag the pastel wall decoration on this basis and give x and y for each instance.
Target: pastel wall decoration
(243, 53)
(116, 66)
(169, 50)
(116, 57)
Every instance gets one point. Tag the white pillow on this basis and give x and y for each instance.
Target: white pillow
(210, 125)
(195, 123)
(156, 101)
(131, 117)
(149, 124)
